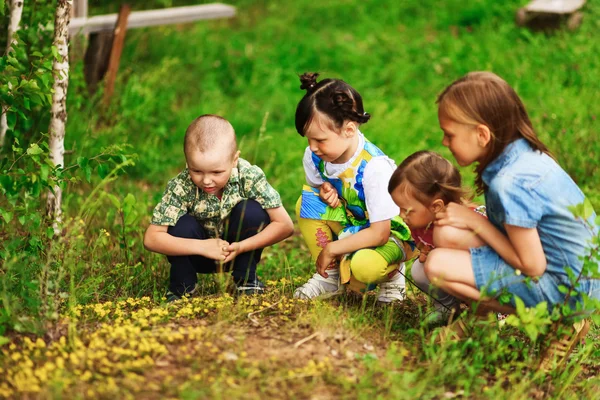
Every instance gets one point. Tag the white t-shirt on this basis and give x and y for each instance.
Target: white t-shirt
(377, 174)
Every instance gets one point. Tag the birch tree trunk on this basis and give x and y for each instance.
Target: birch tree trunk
(16, 10)
(58, 117)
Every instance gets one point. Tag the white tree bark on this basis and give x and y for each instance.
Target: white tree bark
(16, 10)
(58, 117)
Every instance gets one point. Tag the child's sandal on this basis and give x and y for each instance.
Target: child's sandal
(559, 349)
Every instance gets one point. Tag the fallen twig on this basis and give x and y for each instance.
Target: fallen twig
(255, 321)
(306, 339)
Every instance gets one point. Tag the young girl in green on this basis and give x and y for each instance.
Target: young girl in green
(345, 214)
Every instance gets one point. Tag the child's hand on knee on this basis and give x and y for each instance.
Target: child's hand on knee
(456, 215)
(325, 260)
(216, 249)
(329, 195)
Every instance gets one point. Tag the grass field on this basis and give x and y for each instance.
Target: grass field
(116, 337)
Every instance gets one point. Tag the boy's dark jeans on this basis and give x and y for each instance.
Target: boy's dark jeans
(245, 220)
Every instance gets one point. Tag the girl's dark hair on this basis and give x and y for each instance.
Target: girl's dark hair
(485, 98)
(333, 97)
(426, 175)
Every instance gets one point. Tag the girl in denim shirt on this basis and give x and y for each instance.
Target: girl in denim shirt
(531, 235)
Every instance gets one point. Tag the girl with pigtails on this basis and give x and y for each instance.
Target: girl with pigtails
(345, 213)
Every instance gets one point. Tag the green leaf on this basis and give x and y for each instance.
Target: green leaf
(88, 173)
(129, 200)
(520, 306)
(34, 150)
(566, 310)
(22, 219)
(4, 340)
(541, 308)
(128, 203)
(26, 103)
(44, 171)
(130, 218)
(563, 289)
(571, 275)
(6, 215)
(36, 98)
(49, 232)
(6, 182)
(102, 171)
(114, 200)
(82, 162)
(588, 209)
(531, 331)
(11, 120)
(36, 189)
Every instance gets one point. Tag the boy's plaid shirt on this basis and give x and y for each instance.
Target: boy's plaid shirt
(182, 197)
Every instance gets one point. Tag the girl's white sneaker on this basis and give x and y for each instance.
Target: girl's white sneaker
(320, 287)
(392, 290)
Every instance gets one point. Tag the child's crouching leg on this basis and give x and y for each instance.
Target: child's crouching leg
(316, 233)
(443, 301)
(375, 265)
(368, 266)
(382, 265)
(247, 218)
(183, 276)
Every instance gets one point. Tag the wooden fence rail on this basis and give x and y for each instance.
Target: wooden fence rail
(138, 19)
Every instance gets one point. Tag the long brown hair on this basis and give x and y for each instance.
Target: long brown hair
(427, 176)
(485, 98)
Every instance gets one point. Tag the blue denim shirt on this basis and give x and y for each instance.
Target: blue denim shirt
(527, 188)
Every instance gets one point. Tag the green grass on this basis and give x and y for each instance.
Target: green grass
(399, 56)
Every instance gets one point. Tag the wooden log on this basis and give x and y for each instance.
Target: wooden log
(115, 53)
(138, 19)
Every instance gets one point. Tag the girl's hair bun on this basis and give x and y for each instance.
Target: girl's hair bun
(308, 81)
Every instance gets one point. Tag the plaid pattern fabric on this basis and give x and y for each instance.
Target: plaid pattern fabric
(182, 197)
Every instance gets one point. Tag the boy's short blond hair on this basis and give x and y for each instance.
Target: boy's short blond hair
(207, 132)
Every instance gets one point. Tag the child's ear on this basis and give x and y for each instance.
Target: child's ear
(437, 206)
(236, 156)
(349, 129)
(484, 135)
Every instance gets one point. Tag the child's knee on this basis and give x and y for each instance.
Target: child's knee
(446, 237)
(449, 237)
(368, 266)
(251, 214)
(433, 267)
(187, 227)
